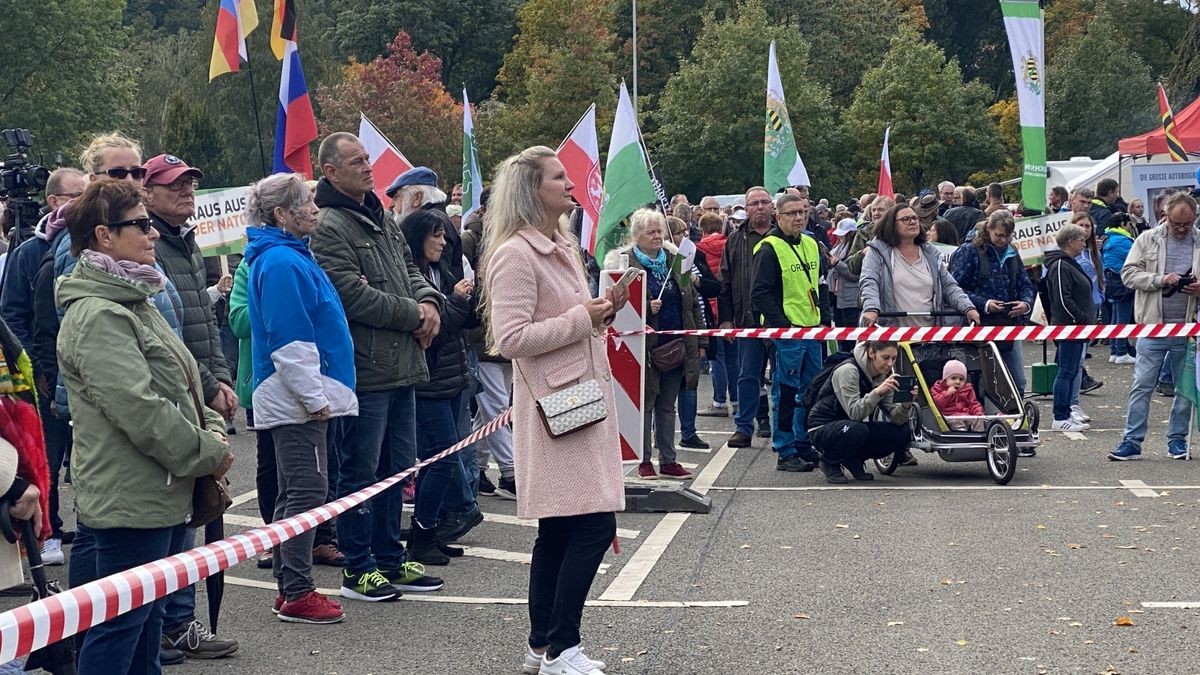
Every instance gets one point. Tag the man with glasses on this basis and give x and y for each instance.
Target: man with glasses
(1161, 269)
(945, 197)
(710, 204)
(786, 293)
(169, 190)
(735, 307)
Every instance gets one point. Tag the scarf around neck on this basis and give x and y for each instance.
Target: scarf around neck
(657, 266)
(125, 269)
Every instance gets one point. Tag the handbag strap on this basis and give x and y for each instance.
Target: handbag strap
(191, 388)
(517, 363)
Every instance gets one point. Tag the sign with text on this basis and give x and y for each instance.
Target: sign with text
(220, 221)
(1151, 180)
(1034, 236)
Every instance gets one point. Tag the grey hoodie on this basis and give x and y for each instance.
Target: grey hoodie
(875, 283)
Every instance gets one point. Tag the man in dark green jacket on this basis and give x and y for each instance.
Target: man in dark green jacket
(170, 194)
(394, 314)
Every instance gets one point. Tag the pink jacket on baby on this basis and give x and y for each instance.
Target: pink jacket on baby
(961, 402)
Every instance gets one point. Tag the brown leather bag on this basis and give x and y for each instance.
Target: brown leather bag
(669, 356)
(210, 497)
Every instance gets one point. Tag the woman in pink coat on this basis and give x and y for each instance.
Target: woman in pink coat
(541, 316)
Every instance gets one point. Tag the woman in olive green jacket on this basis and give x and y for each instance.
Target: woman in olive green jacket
(140, 437)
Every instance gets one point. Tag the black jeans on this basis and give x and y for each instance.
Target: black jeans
(849, 442)
(846, 317)
(58, 444)
(566, 555)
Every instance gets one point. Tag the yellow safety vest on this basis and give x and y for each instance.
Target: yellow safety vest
(800, 269)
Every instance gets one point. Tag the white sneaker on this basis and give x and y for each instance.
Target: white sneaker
(1112, 359)
(1078, 415)
(1123, 360)
(571, 662)
(1069, 425)
(52, 552)
(533, 662)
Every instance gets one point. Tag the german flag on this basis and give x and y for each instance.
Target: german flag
(1174, 147)
(283, 26)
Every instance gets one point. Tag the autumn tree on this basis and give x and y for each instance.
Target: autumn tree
(940, 124)
(402, 94)
(1006, 116)
(1098, 91)
(563, 61)
(710, 124)
(972, 33)
(1183, 81)
(667, 30)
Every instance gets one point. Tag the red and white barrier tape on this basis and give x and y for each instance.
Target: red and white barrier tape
(33, 626)
(950, 333)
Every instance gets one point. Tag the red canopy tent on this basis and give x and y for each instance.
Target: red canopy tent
(1187, 129)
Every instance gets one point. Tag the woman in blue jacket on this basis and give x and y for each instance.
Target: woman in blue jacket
(1118, 239)
(303, 373)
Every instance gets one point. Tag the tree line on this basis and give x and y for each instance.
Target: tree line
(937, 71)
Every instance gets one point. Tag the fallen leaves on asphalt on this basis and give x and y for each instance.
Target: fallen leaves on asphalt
(1123, 621)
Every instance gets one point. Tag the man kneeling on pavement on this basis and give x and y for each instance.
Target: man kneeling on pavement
(785, 291)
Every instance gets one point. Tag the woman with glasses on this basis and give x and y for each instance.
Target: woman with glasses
(132, 480)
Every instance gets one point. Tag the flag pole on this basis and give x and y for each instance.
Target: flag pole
(635, 63)
(262, 155)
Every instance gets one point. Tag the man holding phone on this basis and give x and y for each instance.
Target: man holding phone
(786, 292)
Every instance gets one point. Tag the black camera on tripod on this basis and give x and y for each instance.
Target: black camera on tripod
(19, 181)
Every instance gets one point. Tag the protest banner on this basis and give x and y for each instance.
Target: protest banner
(220, 221)
(1035, 236)
(1150, 180)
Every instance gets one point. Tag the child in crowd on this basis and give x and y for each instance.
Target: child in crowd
(954, 395)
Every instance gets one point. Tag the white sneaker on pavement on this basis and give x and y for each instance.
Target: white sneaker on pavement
(533, 662)
(1069, 425)
(1078, 415)
(1123, 360)
(571, 662)
(52, 552)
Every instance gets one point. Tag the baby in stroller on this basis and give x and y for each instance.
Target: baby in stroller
(954, 395)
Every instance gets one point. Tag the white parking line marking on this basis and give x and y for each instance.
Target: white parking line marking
(1171, 605)
(634, 573)
(1138, 488)
(243, 498)
(509, 556)
(462, 600)
(255, 521)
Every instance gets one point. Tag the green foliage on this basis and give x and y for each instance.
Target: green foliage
(1099, 92)
(940, 125)
(64, 71)
(710, 124)
(403, 95)
(972, 32)
(1183, 83)
(667, 29)
(469, 36)
(563, 61)
(189, 132)
(167, 16)
(1153, 28)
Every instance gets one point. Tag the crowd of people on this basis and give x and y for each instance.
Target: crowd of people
(346, 321)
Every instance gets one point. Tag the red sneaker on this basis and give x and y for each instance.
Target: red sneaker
(278, 603)
(674, 470)
(312, 607)
(646, 471)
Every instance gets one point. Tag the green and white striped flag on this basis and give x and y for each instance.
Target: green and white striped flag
(627, 184)
(1024, 23)
(782, 165)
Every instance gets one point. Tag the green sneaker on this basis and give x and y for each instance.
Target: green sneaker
(411, 578)
(369, 586)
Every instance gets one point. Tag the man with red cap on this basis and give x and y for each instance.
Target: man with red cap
(170, 196)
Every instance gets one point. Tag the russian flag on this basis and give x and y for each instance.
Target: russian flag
(295, 124)
(235, 20)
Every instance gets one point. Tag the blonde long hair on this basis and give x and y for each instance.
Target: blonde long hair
(513, 205)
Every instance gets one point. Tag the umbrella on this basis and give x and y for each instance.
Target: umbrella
(57, 658)
(215, 584)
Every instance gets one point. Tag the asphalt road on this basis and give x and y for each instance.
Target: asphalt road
(933, 570)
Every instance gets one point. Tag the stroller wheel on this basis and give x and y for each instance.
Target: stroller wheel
(1001, 452)
(888, 465)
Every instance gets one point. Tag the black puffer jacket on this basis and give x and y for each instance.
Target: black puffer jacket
(1070, 291)
(180, 258)
(446, 357)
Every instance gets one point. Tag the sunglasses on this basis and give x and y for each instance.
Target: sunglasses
(142, 224)
(120, 173)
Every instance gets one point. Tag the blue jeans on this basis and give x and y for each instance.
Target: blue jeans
(687, 411)
(1122, 312)
(751, 352)
(128, 643)
(380, 442)
(179, 608)
(1153, 354)
(1070, 367)
(796, 363)
(1164, 374)
(1014, 360)
(438, 431)
(462, 499)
